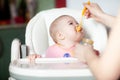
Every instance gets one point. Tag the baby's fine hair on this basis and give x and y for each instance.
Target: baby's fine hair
(53, 27)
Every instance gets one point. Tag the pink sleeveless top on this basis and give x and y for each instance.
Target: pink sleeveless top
(56, 51)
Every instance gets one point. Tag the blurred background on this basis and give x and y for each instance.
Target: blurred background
(15, 14)
(20, 11)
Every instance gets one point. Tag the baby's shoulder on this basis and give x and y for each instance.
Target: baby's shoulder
(53, 49)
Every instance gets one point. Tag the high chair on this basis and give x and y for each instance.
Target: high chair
(37, 40)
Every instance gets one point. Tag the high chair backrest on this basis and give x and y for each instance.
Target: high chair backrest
(37, 36)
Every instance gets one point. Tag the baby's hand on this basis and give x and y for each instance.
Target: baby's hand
(32, 57)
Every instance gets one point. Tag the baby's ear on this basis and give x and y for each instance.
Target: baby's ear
(60, 36)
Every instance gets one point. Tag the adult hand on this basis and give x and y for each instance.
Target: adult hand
(81, 51)
(93, 11)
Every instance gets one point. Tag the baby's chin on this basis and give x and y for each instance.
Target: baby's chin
(81, 36)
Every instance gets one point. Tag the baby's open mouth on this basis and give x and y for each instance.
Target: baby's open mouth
(79, 28)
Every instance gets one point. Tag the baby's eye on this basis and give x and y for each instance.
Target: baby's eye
(70, 23)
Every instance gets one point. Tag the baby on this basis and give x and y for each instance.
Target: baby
(65, 35)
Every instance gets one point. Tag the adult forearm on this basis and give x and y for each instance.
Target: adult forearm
(107, 20)
(99, 71)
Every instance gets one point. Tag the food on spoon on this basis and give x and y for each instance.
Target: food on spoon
(84, 10)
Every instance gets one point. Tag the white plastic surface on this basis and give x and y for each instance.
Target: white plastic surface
(49, 67)
(15, 49)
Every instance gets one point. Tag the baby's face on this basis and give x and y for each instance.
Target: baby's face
(68, 27)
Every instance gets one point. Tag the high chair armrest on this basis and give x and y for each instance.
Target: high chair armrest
(18, 50)
(15, 49)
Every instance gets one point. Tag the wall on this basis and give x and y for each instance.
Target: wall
(6, 37)
(45, 4)
(109, 6)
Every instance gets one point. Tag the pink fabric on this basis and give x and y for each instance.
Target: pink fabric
(55, 51)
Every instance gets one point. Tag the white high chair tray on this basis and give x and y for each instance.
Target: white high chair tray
(49, 67)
